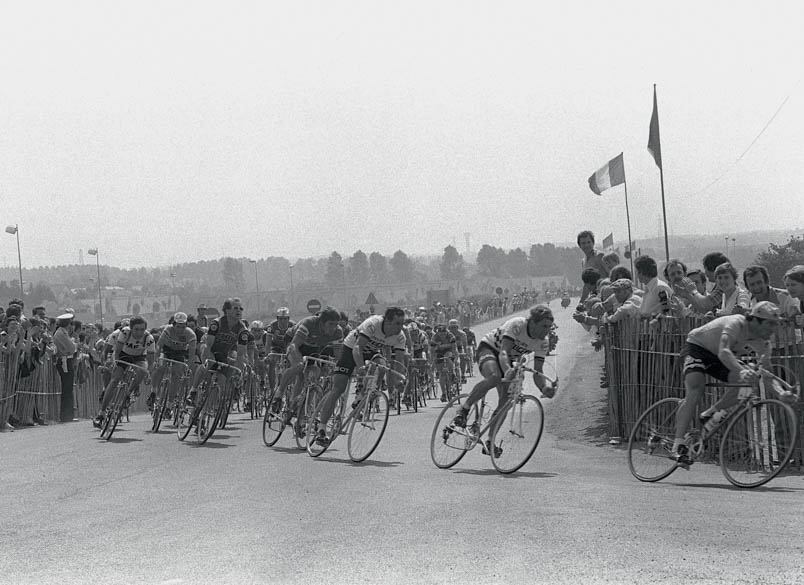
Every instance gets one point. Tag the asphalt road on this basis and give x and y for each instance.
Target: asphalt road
(149, 509)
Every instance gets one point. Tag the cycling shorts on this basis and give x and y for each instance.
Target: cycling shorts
(487, 353)
(346, 363)
(700, 359)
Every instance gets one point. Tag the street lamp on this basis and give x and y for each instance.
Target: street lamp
(14, 229)
(257, 283)
(94, 252)
(733, 248)
(291, 286)
(173, 290)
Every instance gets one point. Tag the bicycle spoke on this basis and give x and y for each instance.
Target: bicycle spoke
(651, 441)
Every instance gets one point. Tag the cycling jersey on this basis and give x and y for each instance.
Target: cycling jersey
(736, 328)
(516, 330)
(442, 338)
(176, 344)
(371, 330)
(419, 338)
(313, 333)
(460, 339)
(226, 338)
(260, 344)
(135, 348)
(470, 338)
(280, 338)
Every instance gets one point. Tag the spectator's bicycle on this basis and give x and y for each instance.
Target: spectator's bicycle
(759, 438)
(281, 412)
(124, 392)
(210, 403)
(514, 428)
(365, 424)
(163, 406)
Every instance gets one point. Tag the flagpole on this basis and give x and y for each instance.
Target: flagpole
(628, 219)
(661, 178)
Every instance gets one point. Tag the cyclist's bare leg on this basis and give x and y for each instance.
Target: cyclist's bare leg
(339, 383)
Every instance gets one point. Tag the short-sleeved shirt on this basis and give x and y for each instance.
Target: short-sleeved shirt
(460, 339)
(377, 340)
(442, 338)
(313, 333)
(516, 330)
(736, 327)
(175, 344)
(470, 337)
(280, 338)
(226, 338)
(651, 301)
(136, 347)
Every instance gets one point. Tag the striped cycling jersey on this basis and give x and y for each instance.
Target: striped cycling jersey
(516, 330)
(136, 347)
(371, 330)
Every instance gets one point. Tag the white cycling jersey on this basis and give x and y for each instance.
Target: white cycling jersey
(371, 329)
(516, 330)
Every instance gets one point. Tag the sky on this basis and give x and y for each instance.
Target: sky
(166, 132)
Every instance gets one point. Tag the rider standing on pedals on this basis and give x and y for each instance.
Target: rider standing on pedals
(500, 348)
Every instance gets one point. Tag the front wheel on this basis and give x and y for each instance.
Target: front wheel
(273, 423)
(449, 443)
(311, 401)
(160, 405)
(758, 443)
(651, 441)
(368, 426)
(516, 434)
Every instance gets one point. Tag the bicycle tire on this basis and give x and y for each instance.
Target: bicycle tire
(113, 412)
(273, 423)
(758, 442)
(333, 429)
(309, 407)
(210, 414)
(366, 433)
(448, 444)
(188, 416)
(651, 441)
(160, 405)
(516, 433)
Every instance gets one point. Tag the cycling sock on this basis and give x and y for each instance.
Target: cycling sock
(676, 443)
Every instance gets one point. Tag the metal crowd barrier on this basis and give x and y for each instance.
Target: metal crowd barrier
(643, 366)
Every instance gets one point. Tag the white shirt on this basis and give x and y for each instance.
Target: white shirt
(651, 303)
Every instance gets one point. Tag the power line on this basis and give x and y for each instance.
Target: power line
(761, 132)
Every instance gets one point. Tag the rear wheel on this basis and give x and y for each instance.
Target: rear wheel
(160, 405)
(516, 434)
(448, 443)
(273, 423)
(758, 443)
(651, 441)
(307, 410)
(368, 426)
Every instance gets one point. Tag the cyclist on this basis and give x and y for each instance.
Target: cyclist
(471, 348)
(711, 349)
(367, 340)
(444, 347)
(133, 345)
(311, 336)
(260, 349)
(344, 323)
(501, 347)
(177, 342)
(225, 334)
(460, 342)
(279, 333)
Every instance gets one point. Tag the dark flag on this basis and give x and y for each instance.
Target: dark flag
(654, 144)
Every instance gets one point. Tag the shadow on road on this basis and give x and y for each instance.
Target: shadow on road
(288, 450)
(368, 463)
(728, 486)
(515, 475)
(212, 445)
(124, 440)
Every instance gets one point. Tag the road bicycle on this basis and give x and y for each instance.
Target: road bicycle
(453, 381)
(366, 422)
(124, 391)
(280, 411)
(211, 402)
(163, 407)
(514, 428)
(758, 435)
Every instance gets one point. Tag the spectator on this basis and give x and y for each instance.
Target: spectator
(698, 278)
(757, 282)
(704, 303)
(736, 299)
(592, 259)
(610, 260)
(65, 364)
(619, 272)
(657, 292)
(674, 271)
(794, 281)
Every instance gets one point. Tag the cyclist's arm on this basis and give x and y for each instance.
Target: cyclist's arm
(542, 382)
(359, 348)
(207, 355)
(726, 356)
(118, 348)
(505, 354)
(161, 342)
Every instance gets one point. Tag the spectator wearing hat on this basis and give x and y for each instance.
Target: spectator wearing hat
(65, 363)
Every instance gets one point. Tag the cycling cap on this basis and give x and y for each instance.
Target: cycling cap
(256, 324)
(125, 322)
(283, 312)
(453, 322)
(766, 310)
(180, 317)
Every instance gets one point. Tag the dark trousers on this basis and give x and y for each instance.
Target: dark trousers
(66, 388)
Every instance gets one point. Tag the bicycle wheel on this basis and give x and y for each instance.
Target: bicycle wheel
(273, 424)
(314, 395)
(366, 433)
(758, 443)
(160, 404)
(332, 429)
(516, 434)
(113, 412)
(209, 414)
(651, 441)
(448, 443)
